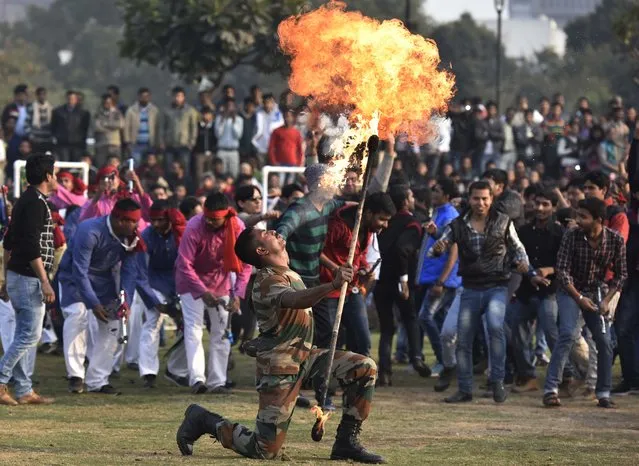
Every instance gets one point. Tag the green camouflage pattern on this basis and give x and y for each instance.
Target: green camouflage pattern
(355, 373)
(286, 334)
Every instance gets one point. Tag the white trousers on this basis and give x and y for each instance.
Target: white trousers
(77, 321)
(177, 363)
(130, 351)
(150, 338)
(219, 346)
(8, 330)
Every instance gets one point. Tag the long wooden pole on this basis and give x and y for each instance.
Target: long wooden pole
(318, 428)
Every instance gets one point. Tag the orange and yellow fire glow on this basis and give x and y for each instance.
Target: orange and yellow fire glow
(378, 73)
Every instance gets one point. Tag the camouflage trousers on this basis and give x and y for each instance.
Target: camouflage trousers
(356, 374)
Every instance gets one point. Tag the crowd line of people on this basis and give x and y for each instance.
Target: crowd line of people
(510, 242)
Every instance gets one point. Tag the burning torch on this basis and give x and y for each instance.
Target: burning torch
(124, 337)
(317, 431)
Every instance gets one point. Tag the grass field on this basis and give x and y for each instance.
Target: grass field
(409, 425)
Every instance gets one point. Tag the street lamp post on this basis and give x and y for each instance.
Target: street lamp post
(499, 6)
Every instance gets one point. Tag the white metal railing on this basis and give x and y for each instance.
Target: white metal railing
(266, 171)
(19, 165)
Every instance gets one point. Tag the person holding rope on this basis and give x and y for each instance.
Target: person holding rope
(286, 360)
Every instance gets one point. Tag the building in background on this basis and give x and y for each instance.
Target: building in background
(562, 11)
(15, 10)
(523, 37)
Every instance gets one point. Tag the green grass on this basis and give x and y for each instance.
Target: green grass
(409, 425)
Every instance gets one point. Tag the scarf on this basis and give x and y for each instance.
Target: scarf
(133, 243)
(177, 219)
(231, 232)
(58, 236)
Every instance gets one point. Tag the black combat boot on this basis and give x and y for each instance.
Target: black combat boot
(197, 422)
(347, 446)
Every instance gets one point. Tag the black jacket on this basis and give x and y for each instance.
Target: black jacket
(399, 246)
(510, 203)
(206, 139)
(70, 126)
(30, 233)
(489, 268)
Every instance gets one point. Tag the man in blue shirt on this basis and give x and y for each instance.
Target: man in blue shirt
(162, 239)
(438, 274)
(99, 262)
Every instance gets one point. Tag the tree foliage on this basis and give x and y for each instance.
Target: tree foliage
(211, 37)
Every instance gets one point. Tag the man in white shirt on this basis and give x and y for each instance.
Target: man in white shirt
(269, 118)
(228, 129)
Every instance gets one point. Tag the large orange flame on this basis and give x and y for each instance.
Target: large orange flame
(350, 62)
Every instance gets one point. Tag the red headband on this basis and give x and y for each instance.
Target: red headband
(107, 171)
(214, 214)
(133, 215)
(159, 213)
(65, 175)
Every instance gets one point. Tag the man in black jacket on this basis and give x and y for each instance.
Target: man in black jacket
(399, 246)
(28, 257)
(69, 127)
(485, 240)
(505, 200)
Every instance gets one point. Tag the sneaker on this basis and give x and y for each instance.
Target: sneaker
(107, 389)
(436, 370)
(551, 400)
(198, 388)
(499, 392)
(32, 398)
(5, 397)
(528, 386)
(542, 360)
(606, 403)
(221, 390)
(459, 397)
(624, 388)
(149, 380)
(175, 379)
(76, 385)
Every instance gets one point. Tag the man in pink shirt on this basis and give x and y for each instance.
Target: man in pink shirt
(111, 190)
(68, 191)
(205, 264)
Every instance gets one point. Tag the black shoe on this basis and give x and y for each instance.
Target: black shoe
(488, 389)
(445, 377)
(106, 390)
(480, 367)
(624, 388)
(606, 403)
(47, 348)
(179, 381)
(459, 397)
(229, 384)
(221, 390)
(198, 388)
(133, 366)
(115, 374)
(499, 392)
(302, 402)
(197, 422)
(76, 385)
(421, 367)
(149, 380)
(347, 446)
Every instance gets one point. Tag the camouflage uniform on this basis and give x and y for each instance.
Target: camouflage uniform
(286, 361)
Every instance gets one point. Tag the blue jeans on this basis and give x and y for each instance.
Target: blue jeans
(474, 303)
(355, 320)
(26, 297)
(569, 331)
(430, 307)
(544, 310)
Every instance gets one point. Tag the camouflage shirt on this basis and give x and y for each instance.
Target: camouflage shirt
(286, 334)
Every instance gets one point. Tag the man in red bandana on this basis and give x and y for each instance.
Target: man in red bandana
(111, 190)
(204, 269)
(89, 293)
(162, 239)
